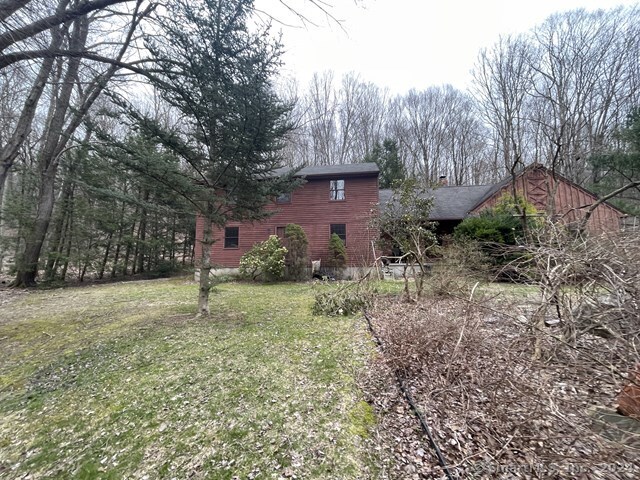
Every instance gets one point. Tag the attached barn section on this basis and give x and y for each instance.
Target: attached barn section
(570, 201)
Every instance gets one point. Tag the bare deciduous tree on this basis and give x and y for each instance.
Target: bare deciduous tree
(75, 86)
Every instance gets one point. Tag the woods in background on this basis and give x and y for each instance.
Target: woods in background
(73, 206)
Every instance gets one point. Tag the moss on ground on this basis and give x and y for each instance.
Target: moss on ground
(363, 419)
(120, 380)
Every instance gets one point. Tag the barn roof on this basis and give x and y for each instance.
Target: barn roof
(450, 203)
(496, 188)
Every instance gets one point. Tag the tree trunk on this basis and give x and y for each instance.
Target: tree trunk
(57, 241)
(87, 260)
(10, 150)
(68, 238)
(103, 265)
(55, 247)
(205, 263)
(142, 235)
(2, 247)
(172, 248)
(127, 251)
(116, 255)
(56, 138)
(28, 271)
(184, 248)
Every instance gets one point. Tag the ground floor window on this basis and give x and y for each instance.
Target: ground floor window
(231, 237)
(340, 229)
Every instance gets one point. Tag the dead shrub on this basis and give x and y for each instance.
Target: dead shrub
(461, 265)
(431, 334)
(492, 405)
(348, 298)
(590, 284)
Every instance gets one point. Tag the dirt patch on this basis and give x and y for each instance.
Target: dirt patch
(495, 412)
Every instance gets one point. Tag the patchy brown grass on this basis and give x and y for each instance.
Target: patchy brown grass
(119, 381)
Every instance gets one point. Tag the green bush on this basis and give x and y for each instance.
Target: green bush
(337, 252)
(501, 224)
(264, 261)
(297, 259)
(496, 230)
(164, 269)
(489, 227)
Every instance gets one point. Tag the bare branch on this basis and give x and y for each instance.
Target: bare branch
(14, 36)
(592, 208)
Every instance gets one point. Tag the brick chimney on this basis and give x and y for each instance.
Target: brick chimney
(443, 182)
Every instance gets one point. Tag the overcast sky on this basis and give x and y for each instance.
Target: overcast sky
(404, 44)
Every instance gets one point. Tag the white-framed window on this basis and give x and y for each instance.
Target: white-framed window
(336, 190)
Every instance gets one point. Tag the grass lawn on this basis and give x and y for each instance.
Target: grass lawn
(120, 381)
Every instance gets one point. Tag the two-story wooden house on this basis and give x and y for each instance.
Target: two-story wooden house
(341, 199)
(334, 199)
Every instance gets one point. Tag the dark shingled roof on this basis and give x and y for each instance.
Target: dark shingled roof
(450, 203)
(350, 169)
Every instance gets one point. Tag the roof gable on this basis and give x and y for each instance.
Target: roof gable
(498, 188)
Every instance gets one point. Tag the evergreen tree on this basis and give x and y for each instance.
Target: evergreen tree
(621, 167)
(337, 252)
(386, 157)
(297, 258)
(218, 75)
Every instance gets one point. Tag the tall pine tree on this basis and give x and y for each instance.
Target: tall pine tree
(218, 74)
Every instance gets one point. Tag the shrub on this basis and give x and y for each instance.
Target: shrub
(348, 299)
(297, 258)
(163, 269)
(264, 261)
(501, 224)
(461, 265)
(489, 227)
(337, 252)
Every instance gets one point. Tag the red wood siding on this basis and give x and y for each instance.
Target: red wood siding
(571, 201)
(312, 209)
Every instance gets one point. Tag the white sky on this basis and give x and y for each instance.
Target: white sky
(404, 44)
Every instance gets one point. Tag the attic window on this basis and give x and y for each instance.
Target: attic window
(336, 189)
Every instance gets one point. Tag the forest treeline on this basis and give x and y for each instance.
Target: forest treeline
(86, 193)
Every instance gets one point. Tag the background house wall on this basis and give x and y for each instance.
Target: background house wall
(312, 208)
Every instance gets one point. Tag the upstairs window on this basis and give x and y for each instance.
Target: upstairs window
(340, 229)
(336, 189)
(231, 237)
(284, 198)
